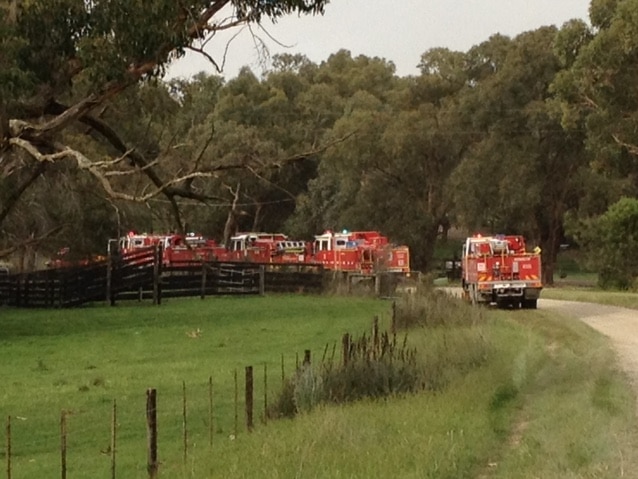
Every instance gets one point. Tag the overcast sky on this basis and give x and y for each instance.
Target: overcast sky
(397, 30)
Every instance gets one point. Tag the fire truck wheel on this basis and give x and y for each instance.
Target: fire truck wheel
(529, 304)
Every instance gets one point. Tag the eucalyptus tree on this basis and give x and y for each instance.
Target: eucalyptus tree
(263, 124)
(599, 94)
(62, 60)
(523, 172)
(249, 126)
(599, 90)
(391, 173)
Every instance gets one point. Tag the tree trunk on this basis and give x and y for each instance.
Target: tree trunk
(231, 221)
(548, 272)
(424, 261)
(550, 244)
(257, 218)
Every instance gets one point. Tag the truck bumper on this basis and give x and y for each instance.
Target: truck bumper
(508, 292)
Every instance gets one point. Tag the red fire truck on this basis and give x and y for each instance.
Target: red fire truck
(259, 248)
(175, 248)
(363, 252)
(499, 270)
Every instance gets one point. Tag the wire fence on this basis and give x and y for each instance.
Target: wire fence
(183, 416)
(187, 418)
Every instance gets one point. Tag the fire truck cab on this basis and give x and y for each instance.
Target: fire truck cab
(254, 247)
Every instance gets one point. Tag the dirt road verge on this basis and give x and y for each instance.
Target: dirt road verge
(619, 324)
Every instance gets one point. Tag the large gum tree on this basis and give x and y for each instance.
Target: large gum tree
(62, 61)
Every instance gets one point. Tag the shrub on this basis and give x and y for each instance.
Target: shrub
(372, 366)
(382, 364)
(610, 241)
(431, 307)
(308, 389)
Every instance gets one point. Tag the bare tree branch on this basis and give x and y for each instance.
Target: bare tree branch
(631, 148)
(31, 241)
(271, 183)
(14, 197)
(207, 56)
(231, 220)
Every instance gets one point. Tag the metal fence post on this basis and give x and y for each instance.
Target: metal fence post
(151, 425)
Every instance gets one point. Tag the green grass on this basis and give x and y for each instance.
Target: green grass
(578, 279)
(549, 402)
(613, 298)
(81, 360)
(576, 417)
(545, 399)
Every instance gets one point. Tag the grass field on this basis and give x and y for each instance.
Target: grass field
(81, 360)
(624, 299)
(544, 399)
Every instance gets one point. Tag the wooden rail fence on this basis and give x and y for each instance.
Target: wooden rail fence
(141, 275)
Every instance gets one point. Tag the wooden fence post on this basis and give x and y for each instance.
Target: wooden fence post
(27, 289)
(63, 288)
(204, 269)
(109, 277)
(8, 447)
(262, 280)
(249, 398)
(19, 283)
(157, 273)
(151, 427)
(50, 289)
(236, 404)
(63, 444)
(265, 393)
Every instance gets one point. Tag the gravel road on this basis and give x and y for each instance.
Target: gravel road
(619, 324)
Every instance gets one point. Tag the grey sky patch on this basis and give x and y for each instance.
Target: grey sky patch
(396, 30)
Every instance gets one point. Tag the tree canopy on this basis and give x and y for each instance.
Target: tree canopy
(65, 63)
(533, 134)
